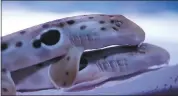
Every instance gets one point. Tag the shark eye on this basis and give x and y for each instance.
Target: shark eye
(51, 37)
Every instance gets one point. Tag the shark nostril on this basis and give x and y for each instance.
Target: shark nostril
(83, 63)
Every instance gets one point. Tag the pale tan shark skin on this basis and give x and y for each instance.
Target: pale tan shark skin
(32, 46)
(63, 73)
(117, 65)
(84, 31)
(102, 65)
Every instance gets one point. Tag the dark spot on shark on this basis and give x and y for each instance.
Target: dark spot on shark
(70, 22)
(165, 85)
(101, 22)
(90, 17)
(68, 58)
(45, 25)
(83, 27)
(18, 44)
(67, 73)
(61, 24)
(4, 46)
(156, 87)
(36, 44)
(102, 28)
(170, 87)
(64, 84)
(4, 89)
(3, 70)
(112, 21)
(22, 32)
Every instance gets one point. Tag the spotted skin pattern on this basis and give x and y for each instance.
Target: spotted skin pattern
(92, 37)
(55, 38)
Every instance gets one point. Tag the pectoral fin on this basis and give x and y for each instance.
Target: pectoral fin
(63, 73)
(8, 86)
